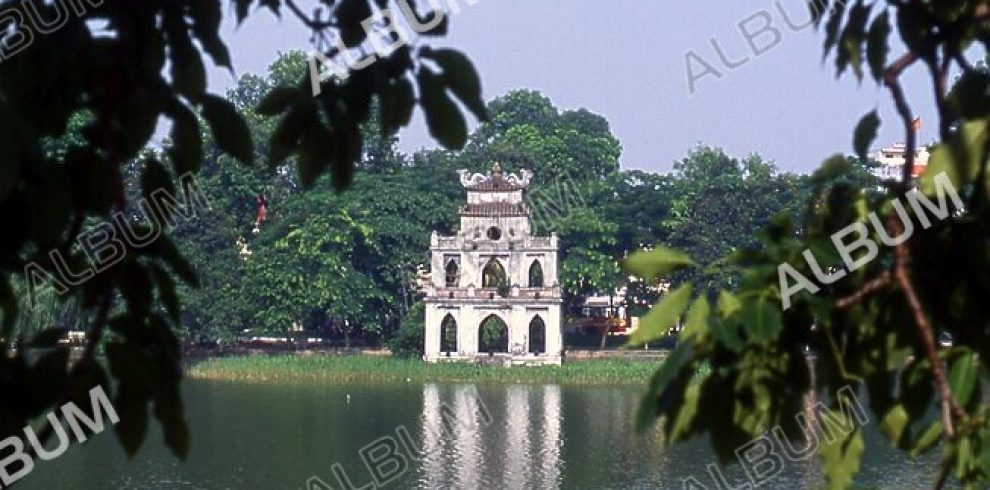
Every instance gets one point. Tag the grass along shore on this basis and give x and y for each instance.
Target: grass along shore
(357, 368)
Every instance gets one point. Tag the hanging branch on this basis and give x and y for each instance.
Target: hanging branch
(902, 253)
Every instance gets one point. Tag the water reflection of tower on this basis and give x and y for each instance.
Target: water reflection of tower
(518, 459)
(551, 442)
(468, 437)
(452, 431)
(522, 450)
(431, 433)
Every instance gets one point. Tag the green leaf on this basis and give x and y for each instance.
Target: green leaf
(166, 249)
(658, 262)
(959, 157)
(728, 304)
(166, 291)
(963, 377)
(877, 46)
(914, 30)
(461, 78)
(188, 72)
(817, 9)
(762, 318)
(659, 384)
(866, 132)
(917, 390)
(131, 402)
(970, 96)
(928, 439)
(349, 144)
(696, 324)
(964, 457)
(315, 154)
(398, 103)
(686, 415)
(277, 100)
(169, 411)
(349, 15)
(662, 317)
(850, 50)
(442, 116)
(206, 16)
(832, 27)
(894, 422)
(155, 178)
(290, 129)
(229, 129)
(841, 458)
(727, 332)
(833, 167)
(187, 145)
(824, 251)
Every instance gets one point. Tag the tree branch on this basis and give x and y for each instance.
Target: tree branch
(902, 274)
(902, 254)
(892, 81)
(869, 288)
(316, 25)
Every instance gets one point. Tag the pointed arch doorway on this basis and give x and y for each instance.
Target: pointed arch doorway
(537, 336)
(493, 335)
(448, 334)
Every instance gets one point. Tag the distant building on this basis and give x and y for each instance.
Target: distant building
(600, 312)
(492, 291)
(892, 160)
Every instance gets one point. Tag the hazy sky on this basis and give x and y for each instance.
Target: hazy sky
(626, 60)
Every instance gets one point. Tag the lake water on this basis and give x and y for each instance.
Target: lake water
(496, 436)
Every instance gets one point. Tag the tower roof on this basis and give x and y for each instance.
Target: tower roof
(495, 180)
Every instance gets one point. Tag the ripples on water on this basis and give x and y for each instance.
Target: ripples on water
(538, 437)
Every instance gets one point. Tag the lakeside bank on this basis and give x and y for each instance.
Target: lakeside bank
(330, 369)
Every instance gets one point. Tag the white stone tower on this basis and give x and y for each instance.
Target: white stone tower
(492, 293)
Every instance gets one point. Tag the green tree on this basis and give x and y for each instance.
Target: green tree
(128, 65)
(719, 201)
(409, 340)
(302, 264)
(527, 131)
(874, 327)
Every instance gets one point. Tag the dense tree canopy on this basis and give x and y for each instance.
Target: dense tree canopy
(366, 243)
(866, 279)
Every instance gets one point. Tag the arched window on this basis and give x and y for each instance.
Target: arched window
(493, 335)
(493, 275)
(537, 336)
(536, 275)
(448, 334)
(452, 274)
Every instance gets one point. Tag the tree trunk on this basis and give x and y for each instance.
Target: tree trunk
(608, 324)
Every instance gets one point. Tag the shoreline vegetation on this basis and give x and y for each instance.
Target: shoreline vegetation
(339, 369)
